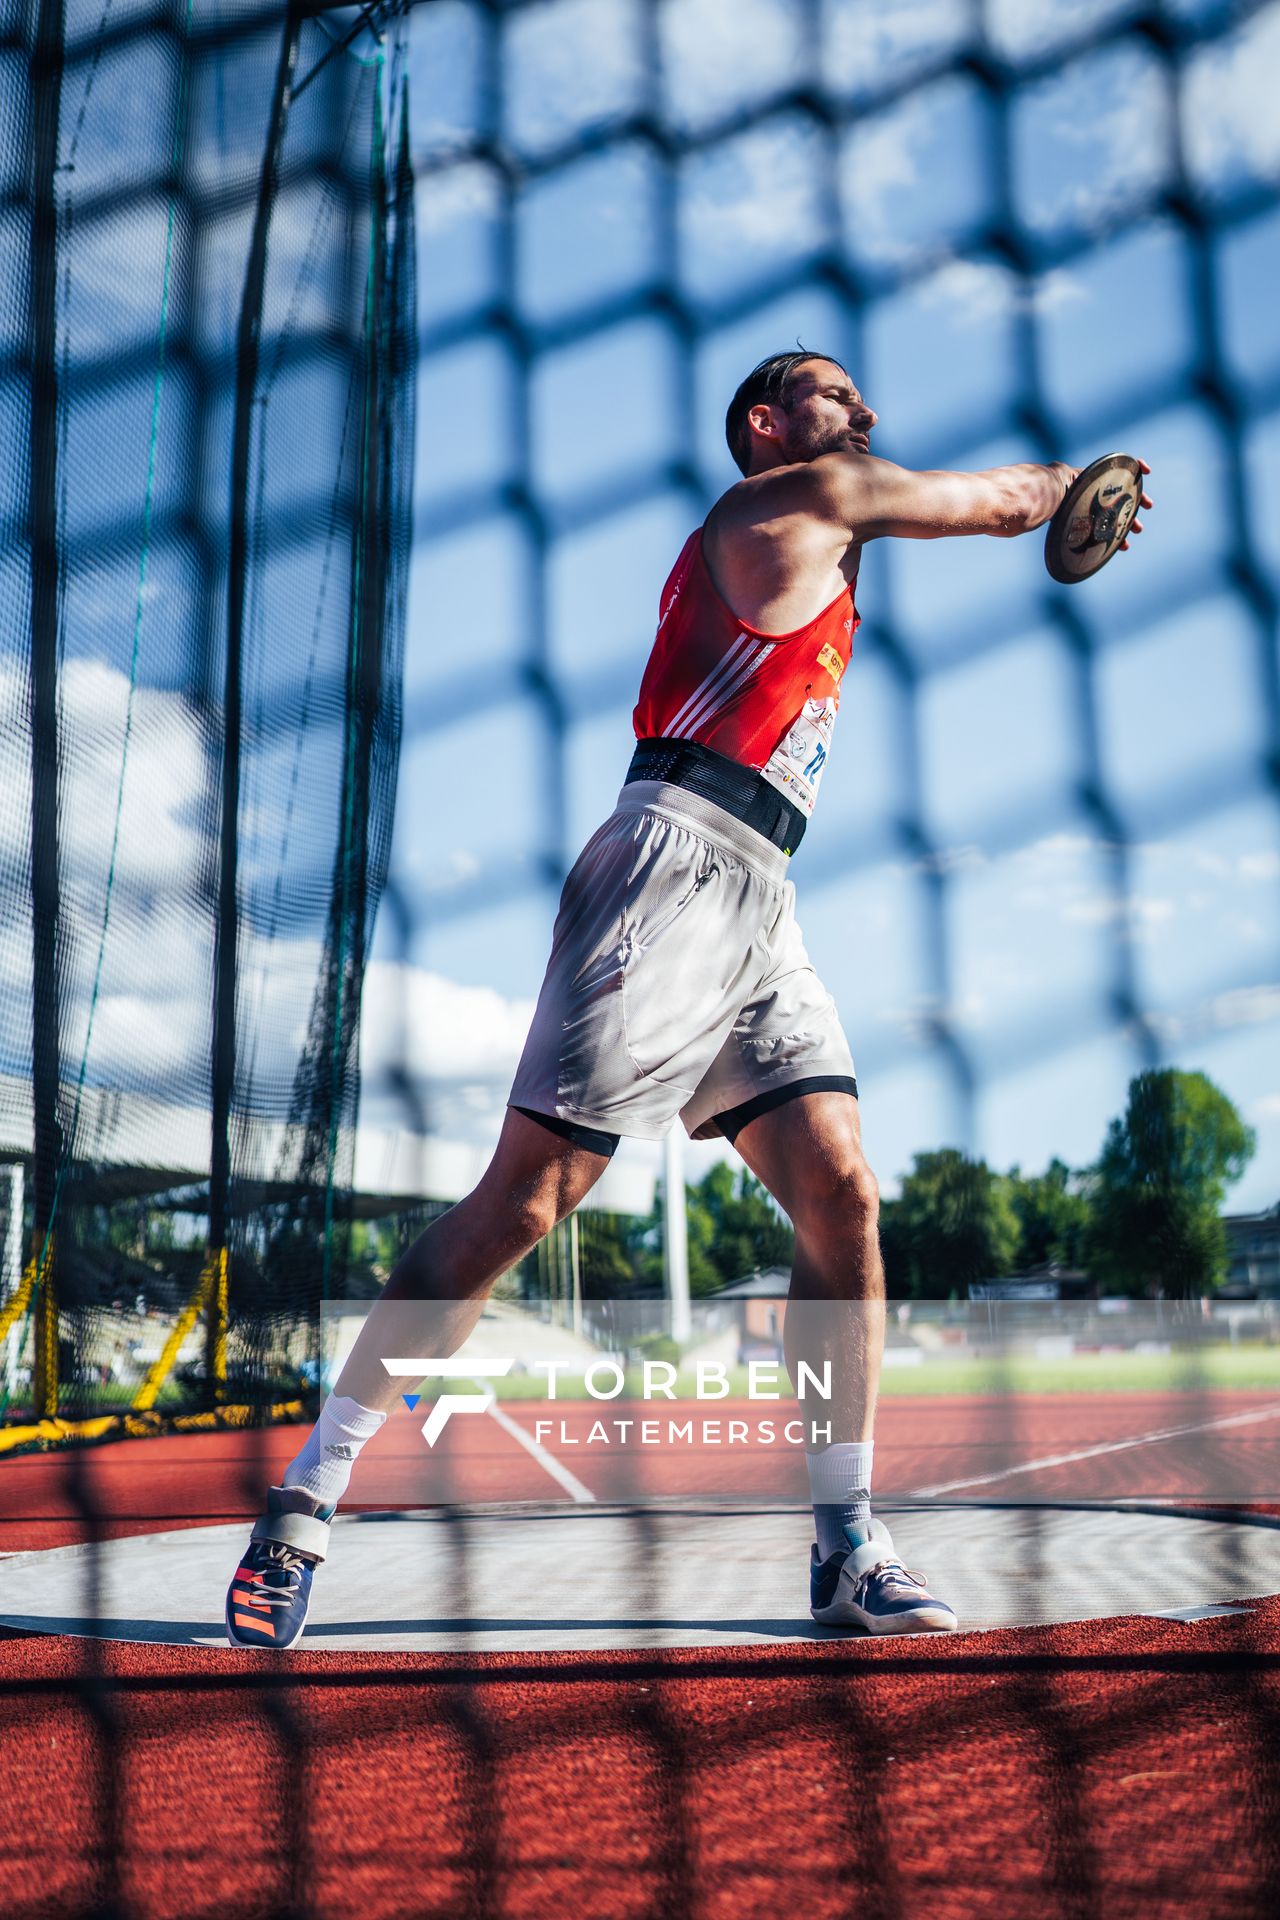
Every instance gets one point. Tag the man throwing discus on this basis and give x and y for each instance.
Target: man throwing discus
(678, 987)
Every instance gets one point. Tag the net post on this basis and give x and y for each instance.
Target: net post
(216, 1326)
(226, 925)
(44, 1374)
(47, 62)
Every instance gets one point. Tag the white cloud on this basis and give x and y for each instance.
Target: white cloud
(568, 65)
(949, 860)
(455, 195)
(920, 1019)
(1055, 845)
(873, 43)
(1063, 871)
(1118, 910)
(164, 775)
(975, 292)
(436, 1028)
(1020, 29)
(447, 58)
(1237, 1008)
(1246, 1007)
(761, 190)
(883, 160)
(1059, 871)
(1252, 863)
(1229, 113)
(1103, 128)
(113, 268)
(165, 772)
(152, 1017)
(456, 1046)
(718, 55)
(304, 215)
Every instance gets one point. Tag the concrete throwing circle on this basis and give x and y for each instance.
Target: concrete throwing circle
(555, 1579)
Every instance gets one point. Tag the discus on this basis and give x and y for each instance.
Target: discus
(1094, 518)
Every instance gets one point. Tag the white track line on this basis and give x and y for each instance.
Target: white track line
(1092, 1453)
(556, 1468)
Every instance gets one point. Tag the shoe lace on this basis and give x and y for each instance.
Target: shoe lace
(893, 1574)
(277, 1580)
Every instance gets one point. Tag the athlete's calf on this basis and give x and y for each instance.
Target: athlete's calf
(809, 1154)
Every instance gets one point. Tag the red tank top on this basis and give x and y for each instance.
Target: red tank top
(767, 700)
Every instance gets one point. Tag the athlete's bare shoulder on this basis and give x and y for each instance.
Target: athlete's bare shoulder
(805, 488)
(849, 488)
(774, 550)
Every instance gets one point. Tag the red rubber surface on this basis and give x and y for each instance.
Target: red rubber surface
(1126, 1770)
(1118, 1770)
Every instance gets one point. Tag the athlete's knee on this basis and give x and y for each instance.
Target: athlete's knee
(534, 1180)
(532, 1214)
(837, 1196)
(525, 1209)
(511, 1218)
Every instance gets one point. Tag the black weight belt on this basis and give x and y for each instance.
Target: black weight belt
(740, 790)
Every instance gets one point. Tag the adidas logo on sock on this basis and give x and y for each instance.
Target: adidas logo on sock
(341, 1452)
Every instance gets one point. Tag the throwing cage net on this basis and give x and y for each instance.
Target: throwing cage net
(207, 238)
(210, 329)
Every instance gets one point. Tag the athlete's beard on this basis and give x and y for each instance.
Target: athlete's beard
(808, 441)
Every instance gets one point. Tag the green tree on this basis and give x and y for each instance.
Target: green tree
(953, 1223)
(732, 1225)
(734, 1228)
(1053, 1216)
(700, 1230)
(617, 1254)
(1158, 1187)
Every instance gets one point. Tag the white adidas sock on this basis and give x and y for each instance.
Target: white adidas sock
(323, 1468)
(840, 1488)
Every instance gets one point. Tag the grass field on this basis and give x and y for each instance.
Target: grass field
(1186, 1370)
(1180, 1371)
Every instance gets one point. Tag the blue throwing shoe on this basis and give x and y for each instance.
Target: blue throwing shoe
(270, 1595)
(866, 1585)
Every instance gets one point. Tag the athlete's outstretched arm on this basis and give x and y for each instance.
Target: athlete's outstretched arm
(875, 498)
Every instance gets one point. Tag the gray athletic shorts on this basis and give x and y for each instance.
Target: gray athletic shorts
(678, 981)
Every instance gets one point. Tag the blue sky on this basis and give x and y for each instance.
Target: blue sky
(957, 869)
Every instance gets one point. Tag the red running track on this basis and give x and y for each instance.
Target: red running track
(1220, 1447)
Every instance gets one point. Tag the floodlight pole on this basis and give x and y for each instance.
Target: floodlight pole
(575, 1273)
(675, 1235)
(248, 353)
(46, 67)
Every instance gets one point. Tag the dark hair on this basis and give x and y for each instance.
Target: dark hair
(770, 382)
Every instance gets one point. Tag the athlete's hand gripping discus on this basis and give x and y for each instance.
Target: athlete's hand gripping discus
(1096, 518)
